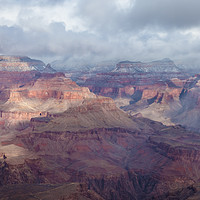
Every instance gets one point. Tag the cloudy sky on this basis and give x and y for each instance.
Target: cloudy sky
(96, 30)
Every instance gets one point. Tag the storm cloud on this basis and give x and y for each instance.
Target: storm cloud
(94, 30)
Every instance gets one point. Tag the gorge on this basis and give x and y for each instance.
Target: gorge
(60, 140)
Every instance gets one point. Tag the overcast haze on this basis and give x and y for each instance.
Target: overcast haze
(97, 30)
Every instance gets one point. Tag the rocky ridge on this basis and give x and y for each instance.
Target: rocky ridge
(154, 90)
(19, 63)
(50, 192)
(150, 162)
(159, 66)
(148, 89)
(79, 145)
(131, 79)
(42, 94)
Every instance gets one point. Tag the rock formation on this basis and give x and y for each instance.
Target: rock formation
(156, 90)
(61, 141)
(39, 94)
(142, 160)
(159, 66)
(186, 110)
(131, 79)
(149, 89)
(19, 63)
(50, 192)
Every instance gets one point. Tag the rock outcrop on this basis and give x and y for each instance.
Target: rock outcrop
(159, 66)
(42, 94)
(134, 87)
(50, 192)
(19, 63)
(116, 163)
(186, 110)
(135, 80)
(150, 89)
(71, 143)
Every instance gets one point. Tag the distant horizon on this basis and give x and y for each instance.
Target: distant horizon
(60, 64)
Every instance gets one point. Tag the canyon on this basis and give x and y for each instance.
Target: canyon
(61, 139)
(157, 90)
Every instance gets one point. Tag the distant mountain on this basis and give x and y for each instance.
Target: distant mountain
(104, 66)
(20, 63)
(131, 79)
(164, 65)
(48, 69)
(23, 63)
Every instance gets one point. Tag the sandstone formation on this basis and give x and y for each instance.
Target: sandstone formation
(159, 66)
(37, 94)
(178, 104)
(144, 161)
(149, 89)
(186, 110)
(19, 63)
(156, 90)
(135, 80)
(61, 141)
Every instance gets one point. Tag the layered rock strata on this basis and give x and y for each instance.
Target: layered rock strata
(19, 63)
(131, 161)
(76, 137)
(37, 94)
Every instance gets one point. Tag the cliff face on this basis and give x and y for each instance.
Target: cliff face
(165, 65)
(187, 111)
(19, 63)
(50, 192)
(176, 102)
(133, 84)
(53, 87)
(152, 90)
(27, 95)
(16, 79)
(76, 137)
(116, 163)
(157, 90)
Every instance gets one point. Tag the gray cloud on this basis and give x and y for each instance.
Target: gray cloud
(31, 2)
(103, 15)
(166, 13)
(148, 30)
(52, 42)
